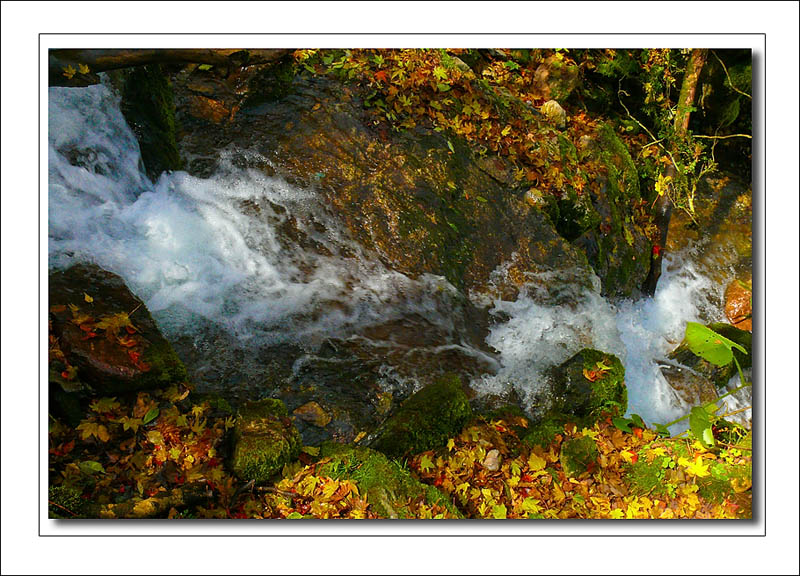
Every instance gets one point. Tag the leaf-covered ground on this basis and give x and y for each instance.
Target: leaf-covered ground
(162, 455)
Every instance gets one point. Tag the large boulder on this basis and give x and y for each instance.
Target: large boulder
(426, 420)
(555, 78)
(103, 336)
(264, 440)
(419, 198)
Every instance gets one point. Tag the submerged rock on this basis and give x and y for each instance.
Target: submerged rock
(426, 420)
(264, 440)
(313, 413)
(107, 335)
(387, 486)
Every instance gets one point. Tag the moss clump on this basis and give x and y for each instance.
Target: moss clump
(165, 366)
(149, 109)
(264, 440)
(427, 419)
(588, 383)
(389, 488)
(578, 455)
(62, 500)
(544, 432)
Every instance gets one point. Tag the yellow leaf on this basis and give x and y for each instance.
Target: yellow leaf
(69, 71)
(88, 298)
(83, 68)
(617, 514)
(450, 445)
(536, 462)
(696, 468)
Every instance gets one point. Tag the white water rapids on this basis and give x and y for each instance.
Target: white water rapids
(217, 250)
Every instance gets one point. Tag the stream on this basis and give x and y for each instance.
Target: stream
(250, 277)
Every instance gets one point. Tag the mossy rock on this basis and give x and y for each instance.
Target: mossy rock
(388, 487)
(578, 455)
(543, 433)
(426, 420)
(718, 375)
(617, 247)
(149, 108)
(581, 396)
(264, 440)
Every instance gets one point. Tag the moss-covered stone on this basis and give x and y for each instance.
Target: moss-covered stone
(388, 487)
(426, 420)
(264, 440)
(148, 107)
(617, 248)
(588, 383)
(543, 433)
(578, 455)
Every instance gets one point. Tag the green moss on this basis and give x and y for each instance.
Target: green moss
(427, 419)
(61, 497)
(271, 85)
(544, 432)
(165, 366)
(718, 485)
(264, 440)
(577, 395)
(650, 479)
(148, 107)
(578, 455)
(388, 487)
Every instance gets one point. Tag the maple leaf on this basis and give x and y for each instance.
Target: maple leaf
(113, 323)
(450, 445)
(425, 463)
(69, 71)
(696, 468)
(83, 68)
(130, 423)
(381, 75)
(88, 298)
(536, 462)
(104, 405)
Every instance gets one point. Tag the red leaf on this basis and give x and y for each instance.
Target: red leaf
(381, 75)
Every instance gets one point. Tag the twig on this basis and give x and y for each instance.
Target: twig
(64, 509)
(734, 88)
(643, 127)
(736, 411)
(722, 137)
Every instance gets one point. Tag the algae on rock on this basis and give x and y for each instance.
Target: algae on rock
(264, 440)
(426, 420)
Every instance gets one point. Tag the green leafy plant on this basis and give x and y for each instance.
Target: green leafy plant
(717, 349)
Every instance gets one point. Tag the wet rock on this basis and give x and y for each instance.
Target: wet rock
(264, 440)
(420, 206)
(614, 240)
(588, 382)
(739, 305)
(149, 108)
(386, 485)
(553, 111)
(555, 78)
(426, 420)
(112, 341)
(578, 456)
(313, 413)
(693, 388)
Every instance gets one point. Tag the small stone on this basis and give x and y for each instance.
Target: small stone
(553, 111)
(313, 413)
(492, 461)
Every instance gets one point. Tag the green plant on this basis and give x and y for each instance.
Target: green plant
(717, 349)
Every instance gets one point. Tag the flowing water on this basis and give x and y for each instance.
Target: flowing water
(241, 263)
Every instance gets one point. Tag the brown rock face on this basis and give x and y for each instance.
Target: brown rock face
(739, 305)
(107, 334)
(313, 413)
